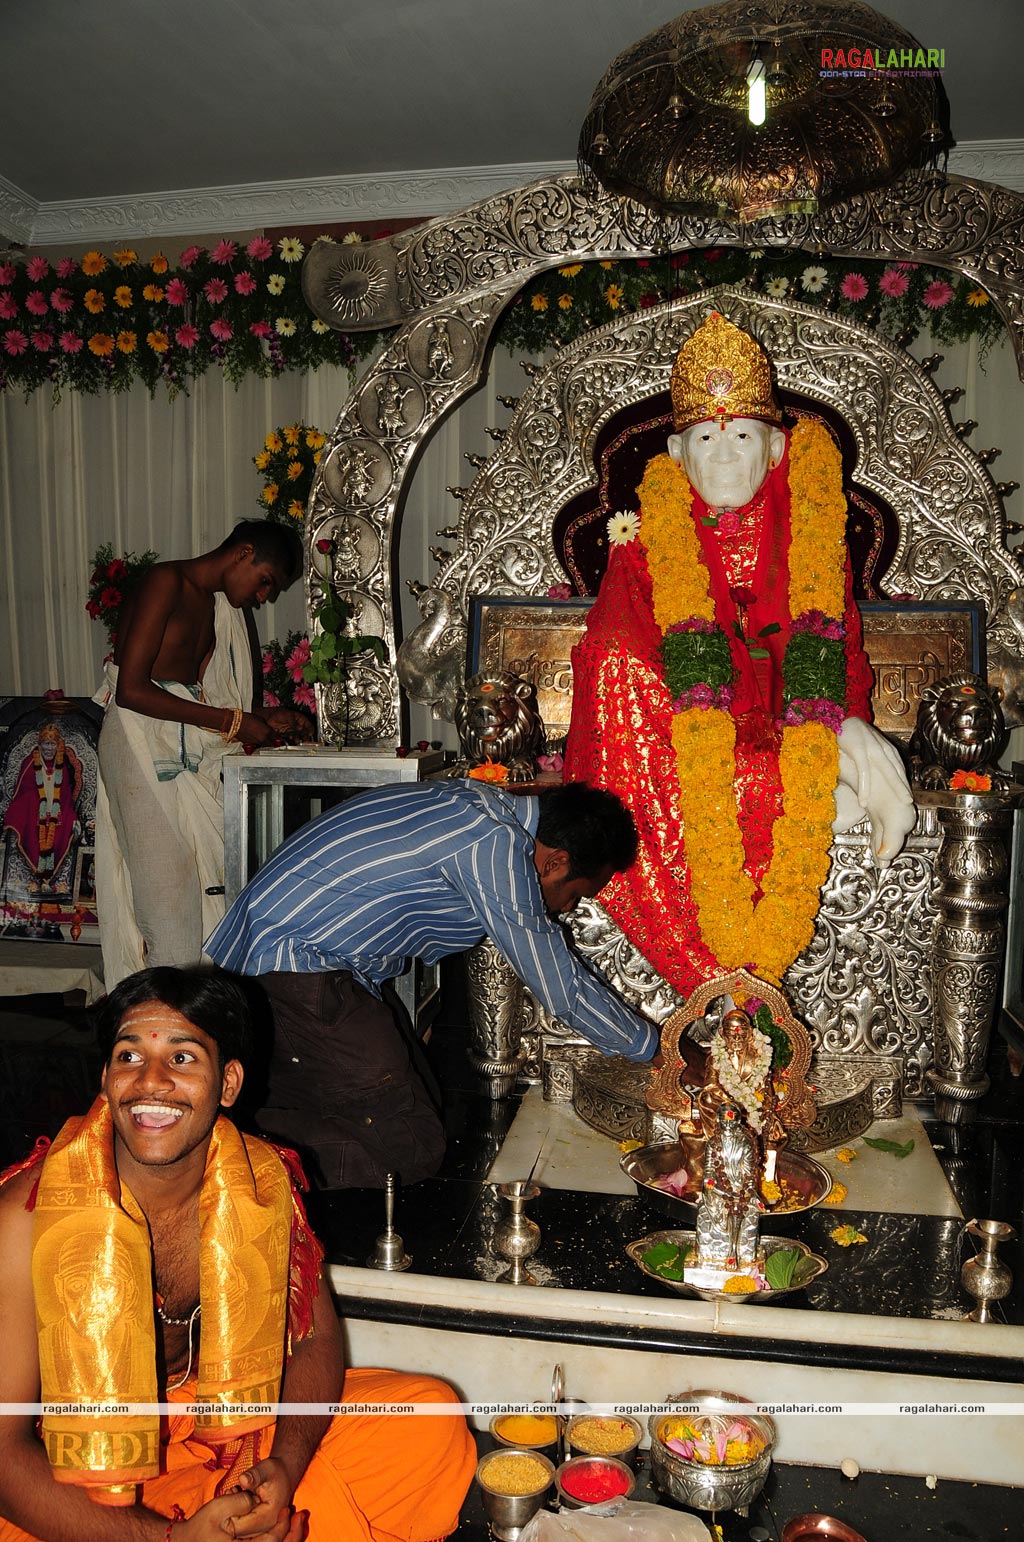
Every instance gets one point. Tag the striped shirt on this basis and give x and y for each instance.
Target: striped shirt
(419, 871)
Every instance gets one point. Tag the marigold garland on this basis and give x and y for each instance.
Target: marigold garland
(772, 933)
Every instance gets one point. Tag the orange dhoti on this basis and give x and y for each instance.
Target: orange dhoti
(374, 1477)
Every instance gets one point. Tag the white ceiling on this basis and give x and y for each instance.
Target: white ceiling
(112, 99)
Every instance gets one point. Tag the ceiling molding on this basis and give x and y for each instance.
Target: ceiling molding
(386, 195)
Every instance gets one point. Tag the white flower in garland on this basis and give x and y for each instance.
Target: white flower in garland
(285, 326)
(291, 249)
(814, 279)
(777, 287)
(623, 527)
(351, 238)
(319, 327)
(744, 1089)
(275, 283)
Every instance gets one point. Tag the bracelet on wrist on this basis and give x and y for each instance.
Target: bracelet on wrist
(230, 733)
(177, 1515)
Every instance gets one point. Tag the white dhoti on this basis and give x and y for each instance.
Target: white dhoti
(160, 816)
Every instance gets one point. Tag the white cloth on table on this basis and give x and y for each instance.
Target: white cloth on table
(160, 815)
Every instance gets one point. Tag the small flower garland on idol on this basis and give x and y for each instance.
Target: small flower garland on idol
(699, 676)
(747, 1091)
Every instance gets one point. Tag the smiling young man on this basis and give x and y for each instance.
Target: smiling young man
(178, 698)
(406, 872)
(153, 1254)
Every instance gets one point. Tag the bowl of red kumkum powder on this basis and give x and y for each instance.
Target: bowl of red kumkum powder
(584, 1481)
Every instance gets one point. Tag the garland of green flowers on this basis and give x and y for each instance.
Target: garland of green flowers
(102, 322)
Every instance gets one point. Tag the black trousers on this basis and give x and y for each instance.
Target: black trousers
(348, 1083)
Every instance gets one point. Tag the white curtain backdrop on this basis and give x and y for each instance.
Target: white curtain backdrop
(176, 475)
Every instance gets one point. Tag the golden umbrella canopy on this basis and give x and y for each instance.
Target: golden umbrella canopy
(670, 122)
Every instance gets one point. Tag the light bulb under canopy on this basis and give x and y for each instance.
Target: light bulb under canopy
(727, 111)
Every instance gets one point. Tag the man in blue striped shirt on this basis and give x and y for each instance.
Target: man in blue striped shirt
(404, 872)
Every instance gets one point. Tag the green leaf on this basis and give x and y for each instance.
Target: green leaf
(666, 1259)
(739, 631)
(766, 631)
(328, 644)
(780, 1266)
(707, 519)
(892, 1146)
(758, 653)
(330, 618)
(804, 1270)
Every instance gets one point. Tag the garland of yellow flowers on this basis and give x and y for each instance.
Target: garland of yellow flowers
(49, 810)
(775, 931)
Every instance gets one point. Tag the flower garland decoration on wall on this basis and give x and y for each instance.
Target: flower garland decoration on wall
(102, 322)
(287, 463)
(699, 676)
(111, 579)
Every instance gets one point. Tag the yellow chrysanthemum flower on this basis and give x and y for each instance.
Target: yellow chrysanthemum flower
(837, 1193)
(269, 493)
(291, 435)
(123, 296)
(125, 257)
(296, 509)
(846, 1154)
(539, 302)
(126, 342)
(572, 270)
(273, 442)
(159, 263)
(102, 344)
(606, 264)
(94, 301)
(314, 438)
(613, 294)
(565, 302)
(977, 297)
(262, 460)
(294, 469)
(93, 263)
(847, 1236)
(158, 341)
(153, 293)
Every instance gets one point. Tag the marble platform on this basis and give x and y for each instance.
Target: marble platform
(570, 1155)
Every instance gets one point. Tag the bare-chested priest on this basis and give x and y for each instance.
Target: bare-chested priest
(178, 697)
(152, 1255)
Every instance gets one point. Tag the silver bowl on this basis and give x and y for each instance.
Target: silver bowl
(509, 1513)
(626, 1453)
(688, 1239)
(580, 1464)
(647, 1163)
(702, 1486)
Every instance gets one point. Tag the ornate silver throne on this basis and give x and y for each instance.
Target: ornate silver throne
(891, 954)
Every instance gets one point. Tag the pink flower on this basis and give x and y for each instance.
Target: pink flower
(560, 592)
(37, 269)
(42, 341)
(176, 292)
(61, 300)
(268, 661)
(894, 283)
(8, 307)
(66, 267)
(70, 343)
(35, 301)
(244, 283)
(187, 336)
(259, 248)
(261, 329)
(297, 658)
(728, 522)
(554, 762)
(305, 696)
(224, 252)
(222, 330)
(270, 700)
(8, 272)
(15, 342)
(190, 256)
(854, 286)
(938, 294)
(215, 290)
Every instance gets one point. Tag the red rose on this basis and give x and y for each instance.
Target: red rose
(323, 546)
(741, 596)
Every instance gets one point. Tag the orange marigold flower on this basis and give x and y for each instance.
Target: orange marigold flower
(159, 263)
(977, 297)
(613, 294)
(294, 470)
(291, 435)
(125, 257)
(153, 292)
(837, 1193)
(122, 296)
(262, 460)
(126, 342)
(296, 509)
(158, 341)
(970, 781)
(93, 263)
(564, 302)
(94, 301)
(539, 302)
(101, 344)
(490, 771)
(269, 493)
